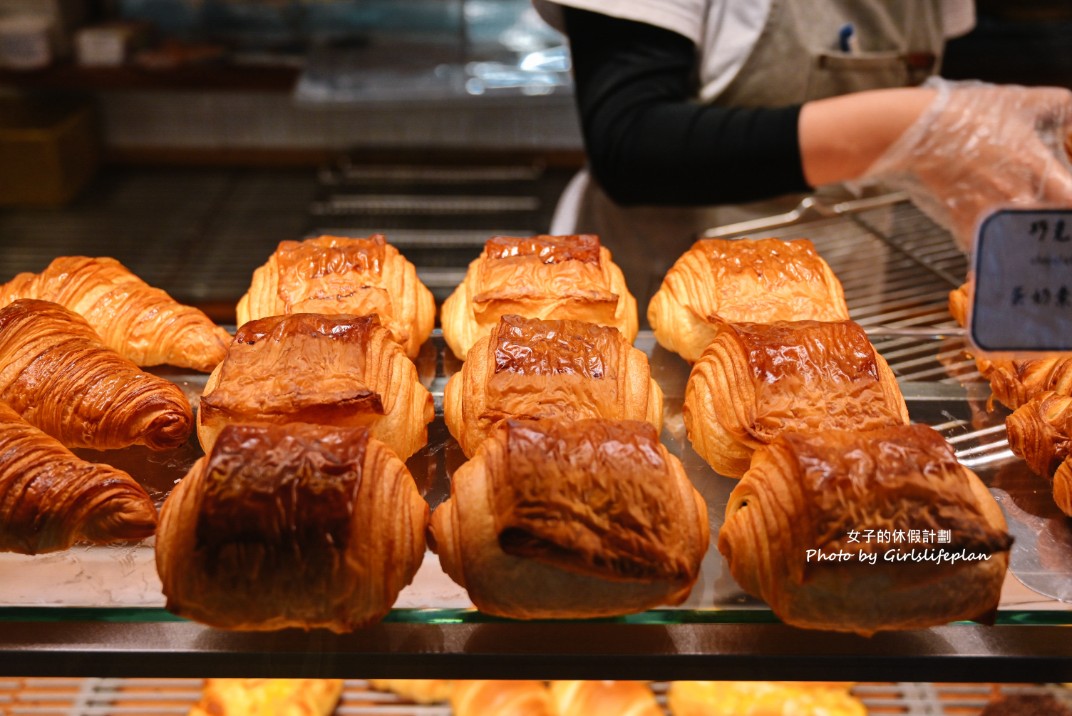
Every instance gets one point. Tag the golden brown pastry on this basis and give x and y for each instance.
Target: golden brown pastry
(744, 280)
(1062, 487)
(334, 274)
(422, 691)
(595, 698)
(312, 368)
(501, 698)
(141, 323)
(757, 380)
(291, 526)
(549, 277)
(268, 697)
(1040, 431)
(57, 374)
(761, 698)
(570, 520)
(796, 531)
(528, 368)
(50, 499)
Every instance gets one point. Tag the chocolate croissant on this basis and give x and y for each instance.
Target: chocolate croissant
(761, 698)
(291, 526)
(57, 374)
(865, 531)
(586, 698)
(141, 323)
(549, 277)
(312, 368)
(333, 275)
(563, 370)
(51, 499)
(757, 380)
(570, 520)
(745, 280)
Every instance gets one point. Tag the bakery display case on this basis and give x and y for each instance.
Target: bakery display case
(99, 611)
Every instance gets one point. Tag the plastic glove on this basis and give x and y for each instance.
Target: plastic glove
(980, 147)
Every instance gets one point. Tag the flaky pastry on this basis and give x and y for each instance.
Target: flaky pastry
(501, 698)
(422, 691)
(312, 368)
(761, 698)
(268, 697)
(549, 277)
(744, 280)
(813, 509)
(334, 274)
(572, 519)
(57, 374)
(291, 526)
(562, 370)
(141, 323)
(757, 380)
(594, 697)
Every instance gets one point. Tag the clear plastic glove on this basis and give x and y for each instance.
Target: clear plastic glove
(980, 147)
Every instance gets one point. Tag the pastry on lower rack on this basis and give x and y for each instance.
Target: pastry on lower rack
(757, 380)
(549, 277)
(813, 529)
(50, 499)
(141, 323)
(1040, 431)
(292, 525)
(501, 698)
(422, 691)
(313, 368)
(1027, 705)
(335, 274)
(529, 368)
(57, 374)
(555, 519)
(761, 698)
(268, 697)
(750, 280)
(592, 698)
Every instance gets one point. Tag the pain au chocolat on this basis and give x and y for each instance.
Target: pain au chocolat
(549, 277)
(554, 519)
(57, 373)
(757, 380)
(865, 531)
(529, 368)
(141, 323)
(754, 280)
(294, 525)
(313, 368)
(334, 274)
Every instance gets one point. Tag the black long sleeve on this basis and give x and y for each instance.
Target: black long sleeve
(648, 142)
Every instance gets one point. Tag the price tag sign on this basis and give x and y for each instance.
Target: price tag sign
(1022, 301)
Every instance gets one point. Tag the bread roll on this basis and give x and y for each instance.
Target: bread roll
(291, 526)
(334, 274)
(572, 520)
(594, 698)
(796, 531)
(757, 380)
(312, 368)
(268, 697)
(561, 370)
(744, 280)
(58, 375)
(761, 698)
(549, 277)
(141, 323)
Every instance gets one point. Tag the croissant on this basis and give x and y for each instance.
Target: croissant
(268, 697)
(570, 520)
(593, 698)
(421, 691)
(1062, 487)
(334, 274)
(761, 698)
(291, 526)
(549, 277)
(50, 499)
(754, 280)
(141, 323)
(757, 380)
(311, 368)
(563, 370)
(57, 374)
(501, 698)
(1040, 431)
(821, 527)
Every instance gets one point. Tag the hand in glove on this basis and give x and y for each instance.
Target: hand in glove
(980, 147)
